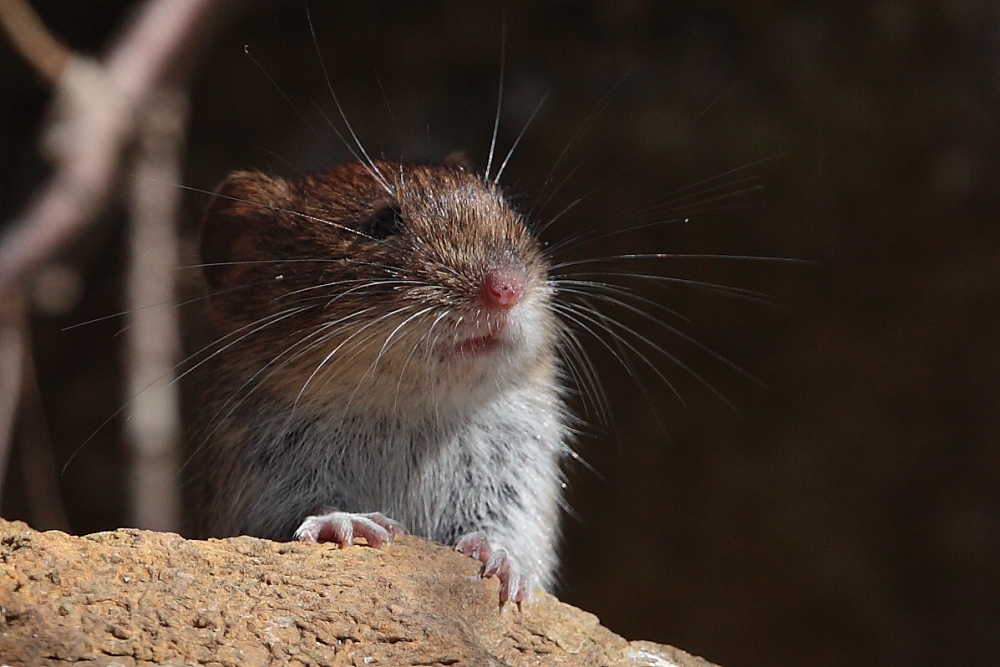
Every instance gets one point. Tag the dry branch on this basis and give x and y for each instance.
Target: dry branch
(95, 107)
(153, 424)
(99, 108)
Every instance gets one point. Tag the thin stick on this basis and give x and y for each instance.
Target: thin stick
(98, 103)
(153, 423)
(12, 344)
(21, 406)
(31, 38)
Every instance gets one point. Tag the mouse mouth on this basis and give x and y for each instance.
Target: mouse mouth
(477, 346)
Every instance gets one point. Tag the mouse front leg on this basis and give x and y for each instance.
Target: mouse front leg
(343, 527)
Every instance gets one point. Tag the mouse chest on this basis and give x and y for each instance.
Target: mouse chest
(376, 464)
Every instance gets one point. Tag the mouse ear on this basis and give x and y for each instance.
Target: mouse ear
(241, 209)
(458, 160)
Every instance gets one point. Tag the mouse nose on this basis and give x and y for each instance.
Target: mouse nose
(502, 289)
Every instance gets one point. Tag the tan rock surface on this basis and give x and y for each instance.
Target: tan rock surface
(133, 597)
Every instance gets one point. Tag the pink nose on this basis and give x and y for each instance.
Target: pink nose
(503, 289)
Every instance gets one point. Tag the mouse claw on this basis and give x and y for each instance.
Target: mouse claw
(515, 584)
(342, 527)
(475, 545)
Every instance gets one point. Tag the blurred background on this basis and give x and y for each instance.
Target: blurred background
(846, 512)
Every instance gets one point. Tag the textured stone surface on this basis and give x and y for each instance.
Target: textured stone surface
(132, 597)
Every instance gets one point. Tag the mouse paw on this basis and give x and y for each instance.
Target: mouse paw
(515, 583)
(343, 527)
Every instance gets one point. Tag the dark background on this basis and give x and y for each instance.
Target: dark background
(849, 512)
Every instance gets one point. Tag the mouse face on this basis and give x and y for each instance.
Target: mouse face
(393, 282)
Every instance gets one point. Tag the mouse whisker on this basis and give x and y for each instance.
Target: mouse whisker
(584, 375)
(247, 388)
(278, 209)
(372, 169)
(671, 329)
(429, 348)
(588, 286)
(580, 133)
(360, 284)
(710, 287)
(333, 352)
(678, 215)
(581, 316)
(697, 189)
(496, 121)
(381, 352)
(510, 153)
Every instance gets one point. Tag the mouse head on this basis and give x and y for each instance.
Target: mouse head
(384, 273)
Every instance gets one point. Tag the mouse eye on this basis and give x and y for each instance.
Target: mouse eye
(386, 222)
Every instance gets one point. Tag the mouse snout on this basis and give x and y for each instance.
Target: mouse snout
(502, 289)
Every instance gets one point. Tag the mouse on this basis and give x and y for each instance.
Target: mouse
(387, 361)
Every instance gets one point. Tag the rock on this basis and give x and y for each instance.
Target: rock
(132, 597)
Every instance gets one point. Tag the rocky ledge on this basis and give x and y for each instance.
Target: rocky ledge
(133, 597)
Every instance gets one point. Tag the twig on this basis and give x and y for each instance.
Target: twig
(153, 424)
(46, 53)
(12, 344)
(22, 407)
(41, 477)
(97, 108)
(92, 129)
